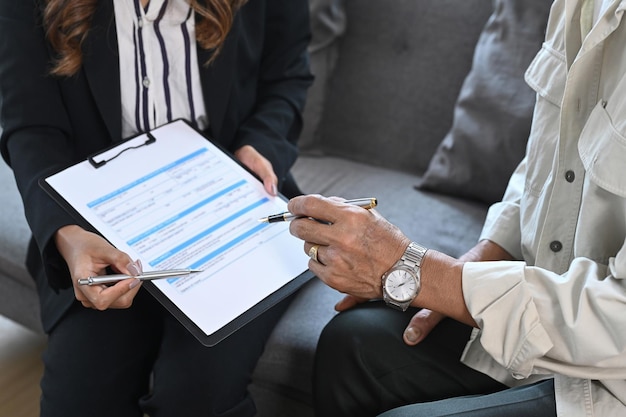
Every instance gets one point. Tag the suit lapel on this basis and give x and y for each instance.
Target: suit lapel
(101, 66)
(217, 79)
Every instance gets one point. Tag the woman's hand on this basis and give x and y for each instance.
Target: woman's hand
(88, 254)
(258, 164)
(356, 246)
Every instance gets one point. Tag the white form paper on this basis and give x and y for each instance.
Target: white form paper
(180, 202)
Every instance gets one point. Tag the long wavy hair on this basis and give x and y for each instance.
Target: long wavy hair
(67, 23)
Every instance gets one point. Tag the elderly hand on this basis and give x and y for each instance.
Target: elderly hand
(356, 246)
(425, 320)
(260, 165)
(88, 254)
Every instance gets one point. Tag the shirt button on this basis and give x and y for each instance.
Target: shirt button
(146, 82)
(570, 176)
(556, 246)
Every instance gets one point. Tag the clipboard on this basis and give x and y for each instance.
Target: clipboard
(174, 199)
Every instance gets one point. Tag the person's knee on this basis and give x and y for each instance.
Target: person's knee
(344, 333)
(349, 343)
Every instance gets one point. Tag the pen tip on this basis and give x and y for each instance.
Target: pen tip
(264, 220)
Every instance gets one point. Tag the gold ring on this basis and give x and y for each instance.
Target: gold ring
(313, 252)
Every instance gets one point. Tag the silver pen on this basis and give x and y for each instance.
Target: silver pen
(107, 279)
(366, 203)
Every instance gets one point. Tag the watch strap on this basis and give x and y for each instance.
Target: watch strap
(413, 255)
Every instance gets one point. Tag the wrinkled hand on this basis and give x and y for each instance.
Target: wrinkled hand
(260, 165)
(357, 245)
(88, 254)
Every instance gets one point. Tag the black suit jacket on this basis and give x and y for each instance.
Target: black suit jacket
(254, 93)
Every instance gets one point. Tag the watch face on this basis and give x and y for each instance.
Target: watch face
(401, 285)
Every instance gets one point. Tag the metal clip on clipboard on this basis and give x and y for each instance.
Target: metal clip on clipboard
(98, 164)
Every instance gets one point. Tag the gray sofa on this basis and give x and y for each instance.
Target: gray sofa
(388, 75)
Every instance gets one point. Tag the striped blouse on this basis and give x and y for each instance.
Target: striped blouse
(159, 71)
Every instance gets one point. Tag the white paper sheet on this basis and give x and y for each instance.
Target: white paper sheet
(180, 202)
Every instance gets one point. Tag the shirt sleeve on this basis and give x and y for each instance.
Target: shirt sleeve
(502, 224)
(521, 329)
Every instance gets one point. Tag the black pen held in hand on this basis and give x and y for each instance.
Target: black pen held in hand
(366, 203)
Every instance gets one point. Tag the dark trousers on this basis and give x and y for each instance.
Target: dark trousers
(142, 360)
(363, 368)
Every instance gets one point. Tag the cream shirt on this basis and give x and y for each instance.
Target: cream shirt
(562, 311)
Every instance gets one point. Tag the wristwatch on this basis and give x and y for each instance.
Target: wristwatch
(401, 283)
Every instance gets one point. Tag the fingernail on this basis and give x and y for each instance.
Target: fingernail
(135, 267)
(274, 189)
(412, 334)
(135, 282)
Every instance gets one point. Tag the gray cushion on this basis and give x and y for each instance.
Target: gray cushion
(493, 113)
(401, 66)
(328, 22)
(15, 232)
(18, 297)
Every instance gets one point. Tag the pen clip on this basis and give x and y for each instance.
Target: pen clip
(97, 164)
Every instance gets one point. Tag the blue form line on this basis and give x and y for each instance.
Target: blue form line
(229, 245)
(185, 212)
(145, 178)
(223, 249)
(206, 232)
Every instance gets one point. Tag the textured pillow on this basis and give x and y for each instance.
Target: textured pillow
(400, 67)
(328, 23)
(493, 112)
